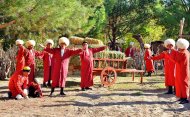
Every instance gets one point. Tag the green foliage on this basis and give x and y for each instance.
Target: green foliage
(40, 19)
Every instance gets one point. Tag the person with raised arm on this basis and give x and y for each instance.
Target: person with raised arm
(86, 57)
(169, 66)
(61, 57)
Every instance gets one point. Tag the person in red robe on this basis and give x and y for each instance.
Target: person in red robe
(34, 89)
(182, 70)
(148, 61)
(47, 63)
(61, 62)
(130, 51)
(18, 83)
(20, 61)
(30, 55)
(86, 57)
(169, 66)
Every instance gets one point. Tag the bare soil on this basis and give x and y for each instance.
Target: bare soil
(125, 99)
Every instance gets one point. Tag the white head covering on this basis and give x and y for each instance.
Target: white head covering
(169, 41)
(182, 43)
(49, 41)
(30, 42)
(131, 43)
(19, 41)
(64, 40)
(147, 46)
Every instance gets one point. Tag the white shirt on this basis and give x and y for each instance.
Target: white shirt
(62, 52)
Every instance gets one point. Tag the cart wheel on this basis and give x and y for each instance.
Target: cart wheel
(108, 76)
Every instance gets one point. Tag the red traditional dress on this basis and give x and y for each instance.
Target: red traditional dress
(30, 61)
(169, 66)
(148, 61)
(129, 52)
(182, 74)
(47, 63)
(87, 66)
(20, 61)
(17, 84)
(61, 63)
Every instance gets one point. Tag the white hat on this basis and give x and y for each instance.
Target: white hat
(182, 43)
(169, 41)
(30, 42)
(64, 40)
(147, 46)
(131, 43)
(19, 41)
(49, 41)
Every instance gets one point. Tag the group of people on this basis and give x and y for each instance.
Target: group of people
(176, 67)
(55, 62)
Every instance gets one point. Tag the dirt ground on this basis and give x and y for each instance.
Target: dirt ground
(125, 99)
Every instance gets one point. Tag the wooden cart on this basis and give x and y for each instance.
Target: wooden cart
(108, 74)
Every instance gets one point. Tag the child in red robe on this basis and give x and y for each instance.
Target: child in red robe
(148, 60)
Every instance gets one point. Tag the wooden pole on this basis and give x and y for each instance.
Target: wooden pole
(181, 27)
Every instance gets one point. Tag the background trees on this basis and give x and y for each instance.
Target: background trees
(112, 21)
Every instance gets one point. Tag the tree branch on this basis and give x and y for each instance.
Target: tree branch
(7, 24)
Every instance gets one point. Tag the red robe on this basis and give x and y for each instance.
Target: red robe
(30, 61)
(148, 61)
(169, 67)
(20, 61)
(47, 63)
(17, 84)
(60, 70)
(182, 73)
(87, 67)
(129, 53)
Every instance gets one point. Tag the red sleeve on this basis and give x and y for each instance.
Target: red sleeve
(26, 56)
(17, 83)
(95, 50)
(39, 54)
(74, 52)
(25, 85)
(158, 57)
(20, 53)
(50, 50)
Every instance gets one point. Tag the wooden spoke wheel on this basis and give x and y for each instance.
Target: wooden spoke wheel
(108, 76)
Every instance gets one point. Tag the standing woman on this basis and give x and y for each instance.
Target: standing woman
(148, 61)
(86, 57)
(47, 63)
(20, 61)
(61, 57)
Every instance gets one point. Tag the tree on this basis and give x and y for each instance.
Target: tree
(170, 12)
(39, 19)
(126, 16)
